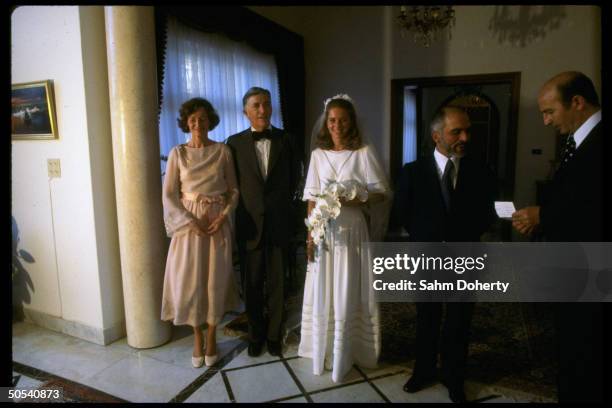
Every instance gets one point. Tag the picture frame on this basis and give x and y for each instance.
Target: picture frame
(33, 114)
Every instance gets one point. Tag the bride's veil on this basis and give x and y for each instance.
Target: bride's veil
(377, 214)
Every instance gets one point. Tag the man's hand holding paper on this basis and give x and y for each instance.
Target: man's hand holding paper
(526, 220)
(504, 209)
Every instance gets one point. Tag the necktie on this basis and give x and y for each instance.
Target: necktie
(447, 183)
(570, 149)
(261, 135)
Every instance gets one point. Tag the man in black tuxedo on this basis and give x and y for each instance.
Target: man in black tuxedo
(572, 210)
(445, 196)
(268, 167)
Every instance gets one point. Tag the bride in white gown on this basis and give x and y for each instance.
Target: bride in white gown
(340, 318)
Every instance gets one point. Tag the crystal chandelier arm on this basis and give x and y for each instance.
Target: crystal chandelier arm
(426, 22)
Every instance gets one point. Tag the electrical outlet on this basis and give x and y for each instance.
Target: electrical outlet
(53, 167)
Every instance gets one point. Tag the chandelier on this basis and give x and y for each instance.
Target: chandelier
(426, 22)
(523, 25)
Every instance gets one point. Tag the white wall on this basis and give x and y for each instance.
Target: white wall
(358, 50)
(75, 252)
(93, 45)
(346, 50)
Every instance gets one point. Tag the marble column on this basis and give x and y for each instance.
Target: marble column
(132, 77)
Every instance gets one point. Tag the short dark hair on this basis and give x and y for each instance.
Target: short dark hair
(255, 90)
(576, 83)
(324, 139)
(192, 105)
(437, 122)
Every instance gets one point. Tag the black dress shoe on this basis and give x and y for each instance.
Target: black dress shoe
(418, 382)
(274, 348)
(455, 392)
(255, 348)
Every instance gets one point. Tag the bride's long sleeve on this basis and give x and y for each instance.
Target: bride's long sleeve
(312, 186)
(377, 182)
(176, 217)
(375, 175)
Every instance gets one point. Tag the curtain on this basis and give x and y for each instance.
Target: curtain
(409, 144)
(210, 65)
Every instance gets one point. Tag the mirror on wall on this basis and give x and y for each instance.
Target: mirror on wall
(491, 101)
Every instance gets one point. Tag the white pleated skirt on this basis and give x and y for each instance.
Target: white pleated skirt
(340, 319)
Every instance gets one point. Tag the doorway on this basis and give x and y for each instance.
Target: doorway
(492, 102)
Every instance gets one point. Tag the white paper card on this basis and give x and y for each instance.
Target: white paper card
(504, 209)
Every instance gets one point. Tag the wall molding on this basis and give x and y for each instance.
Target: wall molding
(95, 335)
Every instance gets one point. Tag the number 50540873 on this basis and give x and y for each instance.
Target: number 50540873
(37, 394)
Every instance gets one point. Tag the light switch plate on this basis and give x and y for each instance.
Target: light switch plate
(53, 167)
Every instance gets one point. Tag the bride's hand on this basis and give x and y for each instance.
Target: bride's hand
(310, 247)
(355, 202)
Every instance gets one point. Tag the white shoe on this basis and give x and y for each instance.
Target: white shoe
(197, 362)
(211, 360)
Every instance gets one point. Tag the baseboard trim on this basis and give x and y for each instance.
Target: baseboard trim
(95, 335)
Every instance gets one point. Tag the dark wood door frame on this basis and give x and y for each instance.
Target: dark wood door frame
(397, 115)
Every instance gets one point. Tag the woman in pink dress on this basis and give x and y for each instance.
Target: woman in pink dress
(199, 192)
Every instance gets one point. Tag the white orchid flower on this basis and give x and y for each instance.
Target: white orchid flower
(327, 206)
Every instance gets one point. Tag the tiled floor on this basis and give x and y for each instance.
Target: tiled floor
(115, 373)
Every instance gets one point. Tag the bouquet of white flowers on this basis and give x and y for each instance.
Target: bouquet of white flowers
(327, 206)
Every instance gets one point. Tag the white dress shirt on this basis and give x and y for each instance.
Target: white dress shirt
(262, 151)
(441, 165)
(581, 133)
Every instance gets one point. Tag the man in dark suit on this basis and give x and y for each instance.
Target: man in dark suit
(445, 196)
(268, 167)
(572, 210)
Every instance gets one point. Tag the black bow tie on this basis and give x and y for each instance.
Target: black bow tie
(266, 134)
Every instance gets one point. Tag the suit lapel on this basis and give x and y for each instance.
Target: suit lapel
(251, 156)
(275, 149)
(582, 152)
(463, 170)
(590, 139)
(434, 181)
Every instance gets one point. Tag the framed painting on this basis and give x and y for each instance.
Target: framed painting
(33, 111)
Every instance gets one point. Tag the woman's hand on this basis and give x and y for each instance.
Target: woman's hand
(355, 202)
(214, 226)
(309, 242)
(195, 227)
(310, 248)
